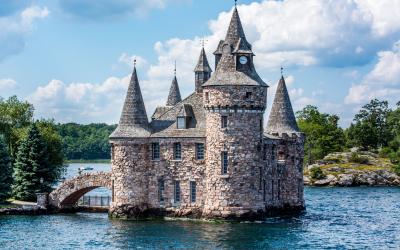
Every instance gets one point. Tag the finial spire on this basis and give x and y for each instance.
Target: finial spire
(235, 3)
(281, 71)
(175, 69)
(134, 62)
(203, 42)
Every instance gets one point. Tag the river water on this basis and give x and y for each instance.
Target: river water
(336, 218)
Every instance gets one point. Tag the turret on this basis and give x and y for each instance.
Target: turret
(281, 119)
(133, 121)
(234, 99)
(174, 95)
(202, 71)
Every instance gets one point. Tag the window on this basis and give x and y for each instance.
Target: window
(177, 151)
(224, 162)
(264, 184)
(155, 151)
(279, 189)
(248, 95)
(177, 191)
(192, 191)
(224, 121)
(273, 153)
(199, 151)
(265, 152)
(161, 187)
(261, 124)
(181, 122)
(207, 97)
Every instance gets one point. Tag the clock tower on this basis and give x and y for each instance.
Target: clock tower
(234, 99)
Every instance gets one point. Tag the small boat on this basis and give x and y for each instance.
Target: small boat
(85, 168)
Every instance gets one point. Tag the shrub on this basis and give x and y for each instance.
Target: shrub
(396, 169)
(317, 173)
(355, 158)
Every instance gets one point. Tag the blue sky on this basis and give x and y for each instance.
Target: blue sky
(72, 58)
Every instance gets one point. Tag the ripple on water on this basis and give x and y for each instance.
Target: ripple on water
(336, 218)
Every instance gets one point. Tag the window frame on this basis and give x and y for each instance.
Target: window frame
(155, 145)
(161, 189)
(183, 119)
(177, 192)
(200, 152)
(177, 151)
(224, 121)
(224, 162)
(193, 191)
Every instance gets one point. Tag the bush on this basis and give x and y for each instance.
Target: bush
(396, 169)
(355, 158)
(317, 173)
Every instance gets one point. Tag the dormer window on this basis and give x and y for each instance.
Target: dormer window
(181, 122)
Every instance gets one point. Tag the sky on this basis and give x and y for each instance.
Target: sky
(72, 59)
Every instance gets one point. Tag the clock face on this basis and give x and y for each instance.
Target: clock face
(243, 60)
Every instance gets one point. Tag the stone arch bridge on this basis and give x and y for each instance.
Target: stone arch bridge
(68, 193)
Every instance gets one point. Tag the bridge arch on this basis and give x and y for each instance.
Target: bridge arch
(69, 192)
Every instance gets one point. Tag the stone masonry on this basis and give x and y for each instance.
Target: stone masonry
(208, 156)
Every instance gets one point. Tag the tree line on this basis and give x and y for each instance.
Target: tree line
(33, 152)
(376, 128)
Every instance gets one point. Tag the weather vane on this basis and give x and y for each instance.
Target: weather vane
(203, 42)
(235, 3)
(281, 71)
(134, 62)
(175, 69)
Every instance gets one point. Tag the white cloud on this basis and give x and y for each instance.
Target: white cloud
(382, 82)
(7, 83)
(14, 29)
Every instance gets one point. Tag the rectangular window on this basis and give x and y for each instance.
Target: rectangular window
(224, 162)
(177, 151)
(181, 122)
(192, 191)
(177, 191)
(207, 97)
(273, 153)
(224, 121)
(248, 95)
(264, 187)
(279, 189)
(161, 188)
(155, 151)
(199, 151)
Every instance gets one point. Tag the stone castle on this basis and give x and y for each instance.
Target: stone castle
(208, 155)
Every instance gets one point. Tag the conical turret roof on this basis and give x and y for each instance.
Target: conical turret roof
(235, 30)
(174, 95)
(281, 118)
(133, 121)
(202, 64)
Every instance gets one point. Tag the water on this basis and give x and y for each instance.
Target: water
(73, 170)
(336, 218)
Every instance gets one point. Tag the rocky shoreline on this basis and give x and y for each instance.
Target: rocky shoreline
(351, 169)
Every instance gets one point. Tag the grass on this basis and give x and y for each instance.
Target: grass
(89, 161)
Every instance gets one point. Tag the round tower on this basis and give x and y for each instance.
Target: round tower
(235, 100)
(129, 146)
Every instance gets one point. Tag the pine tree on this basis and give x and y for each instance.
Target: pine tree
(32, 171)
(5, 171)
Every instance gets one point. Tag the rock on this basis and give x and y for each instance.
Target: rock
(312, 166)
(345, 180)
(306, 180)
(329, 180)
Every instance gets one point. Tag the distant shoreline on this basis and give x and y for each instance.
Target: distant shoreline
(89, 161)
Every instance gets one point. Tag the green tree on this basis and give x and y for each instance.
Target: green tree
(323, 134)
(32, 170)
(371, 129)
(14, 115)
(5, 172)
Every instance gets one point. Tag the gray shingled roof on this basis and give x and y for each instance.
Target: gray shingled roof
(226, 73)
(133, 121)
(165, 125)
(202, 63)
(281, 118)
(174, 95)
